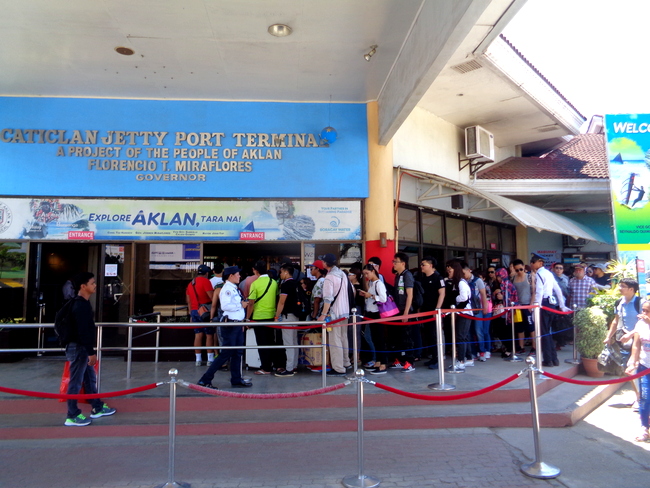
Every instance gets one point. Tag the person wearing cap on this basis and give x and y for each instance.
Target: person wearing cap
(319, 272)
(261, 308)
(199, 292)
(336, 305)
(602, 279)
(580, 287)
(233, 306)
(549, 295)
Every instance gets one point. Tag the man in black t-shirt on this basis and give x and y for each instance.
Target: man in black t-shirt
(400, 337)
(434, 296)
(288, 310)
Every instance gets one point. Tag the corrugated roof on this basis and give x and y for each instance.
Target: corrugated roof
(583, 157)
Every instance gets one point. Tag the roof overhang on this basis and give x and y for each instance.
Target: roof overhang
(526, 215)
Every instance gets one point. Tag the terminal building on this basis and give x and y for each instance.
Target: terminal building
(140, 140)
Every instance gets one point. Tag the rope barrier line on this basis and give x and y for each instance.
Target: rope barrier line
(595, 383)
(89, 396)
(263, 396)
(560, 312)
(482, 319)
(448, 398)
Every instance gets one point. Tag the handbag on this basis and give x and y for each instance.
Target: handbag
(613, 359)
(519, 317)
(387, 308)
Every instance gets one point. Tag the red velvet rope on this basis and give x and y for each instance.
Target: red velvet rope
(447, 398)
(263, 396)
(557, 311)
(88, 396)
(595, 383)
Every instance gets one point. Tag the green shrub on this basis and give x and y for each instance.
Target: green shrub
(591, 328)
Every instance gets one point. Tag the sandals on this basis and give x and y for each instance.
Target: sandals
(261, 372)
(643, 437)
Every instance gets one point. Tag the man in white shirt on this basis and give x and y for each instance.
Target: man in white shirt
(547, 294)
(336, 305)
(233, 306)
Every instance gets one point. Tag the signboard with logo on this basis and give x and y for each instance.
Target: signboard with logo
(166, 149)
(124, 220)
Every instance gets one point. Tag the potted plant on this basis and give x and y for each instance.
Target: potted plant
(590, 328)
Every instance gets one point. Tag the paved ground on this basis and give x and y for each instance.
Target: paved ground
(597, 452)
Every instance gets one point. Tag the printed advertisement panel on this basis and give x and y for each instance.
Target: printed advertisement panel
(167, 149)
(124, 220)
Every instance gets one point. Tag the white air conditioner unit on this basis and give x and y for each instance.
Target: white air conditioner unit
(479, 143)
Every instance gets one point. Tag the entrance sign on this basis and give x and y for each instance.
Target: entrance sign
(166, 149)
(261, 220)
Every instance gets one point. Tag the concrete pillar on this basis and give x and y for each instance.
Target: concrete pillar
(379, 206)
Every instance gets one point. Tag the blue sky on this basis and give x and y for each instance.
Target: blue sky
(595, 52)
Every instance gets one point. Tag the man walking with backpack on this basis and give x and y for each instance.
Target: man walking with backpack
(80, 351)
(401, 336)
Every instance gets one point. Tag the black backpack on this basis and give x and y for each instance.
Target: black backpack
(418, 295)
(63, 323)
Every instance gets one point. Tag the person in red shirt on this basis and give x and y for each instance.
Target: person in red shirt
(199, 292)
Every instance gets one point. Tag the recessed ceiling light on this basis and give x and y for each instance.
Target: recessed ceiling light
(125, 51)
(280, 30)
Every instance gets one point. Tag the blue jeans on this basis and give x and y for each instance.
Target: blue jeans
(80, 373)
(644, 402)
(233, 335)
(483, 332)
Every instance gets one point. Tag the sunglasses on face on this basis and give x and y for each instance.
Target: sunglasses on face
(519, 269)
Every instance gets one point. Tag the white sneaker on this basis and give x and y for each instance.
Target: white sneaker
(460, 365)
(198, 363)
(488, 355)
(209, 363)
(482, 357)
(469, 362)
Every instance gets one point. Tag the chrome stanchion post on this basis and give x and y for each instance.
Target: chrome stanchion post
(538, 468)
(172, 434)
(360, 480)
(100, 336)
(538, 331)
(575, 359)
(323, 363)
(158, 339)
(355, 341)
(40, 343)
(440, 385)
(513, 355)
(129, 352)
(453, 368)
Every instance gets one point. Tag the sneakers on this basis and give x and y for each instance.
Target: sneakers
(208, 364)
(78, 421)
(459, 366)
(105, 411)
(378, 371)
(520, 351)
(532, 352)
(408, 367)
(481, 357)
(396, 365)
(333, 372)
(197, 363)
(284, 373)
(469, 362)
(488, 355)
(369, 365)
(207, 385)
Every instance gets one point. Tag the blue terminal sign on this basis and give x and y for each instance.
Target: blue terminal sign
(180, 149)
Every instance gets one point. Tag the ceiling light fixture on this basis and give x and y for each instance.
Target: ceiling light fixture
(280, 30)
(125, 51)
(371, 53)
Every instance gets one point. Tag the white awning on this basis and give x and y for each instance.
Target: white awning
(527, 215)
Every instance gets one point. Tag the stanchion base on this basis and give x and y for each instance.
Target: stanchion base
(354, 481)
(174, 484)
(441, 387)
(540, 470)
(514, 359)
(572, 361)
